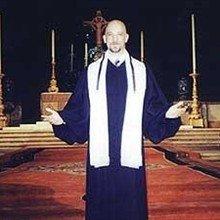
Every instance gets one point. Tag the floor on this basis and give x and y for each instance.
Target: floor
(52, 185)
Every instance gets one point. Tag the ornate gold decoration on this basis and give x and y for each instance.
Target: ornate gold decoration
(3, 118)
(53, 82)
(195, 116)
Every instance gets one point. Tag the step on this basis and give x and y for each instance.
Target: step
(25, 144)
(19, 135)
(28, 139)
(39, 126)
(190, 143)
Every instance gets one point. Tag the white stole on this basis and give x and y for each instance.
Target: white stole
(131, 137)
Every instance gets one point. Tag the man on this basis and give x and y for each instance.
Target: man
(117, 102)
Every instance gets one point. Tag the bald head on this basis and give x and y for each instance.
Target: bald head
(115, 24)
(115, 36)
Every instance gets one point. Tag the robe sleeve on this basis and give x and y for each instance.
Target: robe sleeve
(75, 115)
(156, 126)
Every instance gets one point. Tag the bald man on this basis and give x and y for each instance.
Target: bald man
(117, 103)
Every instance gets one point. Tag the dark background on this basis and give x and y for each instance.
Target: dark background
(26, 27)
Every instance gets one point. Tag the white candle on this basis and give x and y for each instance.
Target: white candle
(71, 48)
(142, 46)
(86, 54)
(71, 58)
(193, 43)
(53, 45)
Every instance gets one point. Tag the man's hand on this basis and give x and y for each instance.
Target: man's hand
(177, 110)
(54, 118)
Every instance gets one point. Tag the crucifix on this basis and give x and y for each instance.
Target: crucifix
(98, 24)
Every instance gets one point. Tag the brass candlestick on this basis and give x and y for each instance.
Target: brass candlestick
(195, 116)
(3, 118)
(53, 82)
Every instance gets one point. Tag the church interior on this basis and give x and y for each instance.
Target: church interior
(43, 47)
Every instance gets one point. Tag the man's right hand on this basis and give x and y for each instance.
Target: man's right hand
(177, 110)
(54, 118)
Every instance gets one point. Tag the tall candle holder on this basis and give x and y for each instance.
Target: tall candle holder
(3, 118)
(53, 82)
(195, 116)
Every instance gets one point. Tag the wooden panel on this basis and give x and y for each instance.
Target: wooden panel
(56, 101)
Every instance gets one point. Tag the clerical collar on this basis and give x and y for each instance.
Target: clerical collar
(115, 59)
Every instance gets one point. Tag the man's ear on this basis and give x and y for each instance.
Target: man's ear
(104, 38)
(126, 38)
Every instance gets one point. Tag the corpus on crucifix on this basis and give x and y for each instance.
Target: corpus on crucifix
(98, 24)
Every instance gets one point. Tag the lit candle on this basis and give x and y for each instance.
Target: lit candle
(53, 46)
(142, 46)
(193, 43)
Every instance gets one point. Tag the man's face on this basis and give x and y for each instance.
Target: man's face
(115, 37)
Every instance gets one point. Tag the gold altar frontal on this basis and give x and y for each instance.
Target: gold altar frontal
(56, 101)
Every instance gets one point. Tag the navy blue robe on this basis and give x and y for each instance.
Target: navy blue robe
(115, 192)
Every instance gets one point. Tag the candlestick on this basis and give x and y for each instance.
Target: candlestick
(195, 117)
(3, 118)
(193, 43)
(0, 44)
(53, 45)
(53, 82)
(142, 46)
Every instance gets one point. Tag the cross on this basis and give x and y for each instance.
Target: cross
(98, 24)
